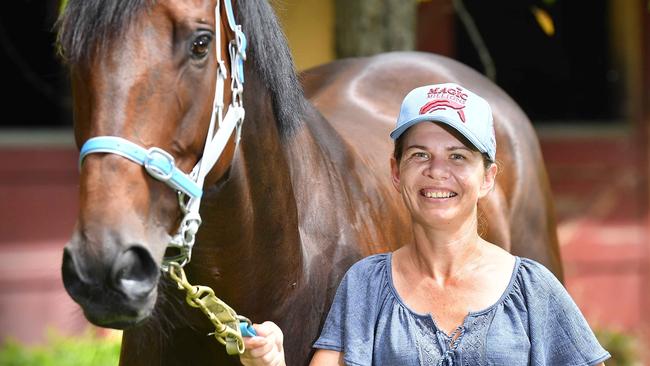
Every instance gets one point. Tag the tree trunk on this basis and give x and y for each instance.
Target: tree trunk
(368, 27)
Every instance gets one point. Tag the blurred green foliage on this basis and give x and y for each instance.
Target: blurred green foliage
(59, 350)
(623, 347)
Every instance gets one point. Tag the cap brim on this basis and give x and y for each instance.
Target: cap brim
(396, 133)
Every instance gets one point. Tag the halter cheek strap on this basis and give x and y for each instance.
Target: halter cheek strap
(160, 164)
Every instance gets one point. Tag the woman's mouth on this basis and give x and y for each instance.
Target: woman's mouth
(430, 193)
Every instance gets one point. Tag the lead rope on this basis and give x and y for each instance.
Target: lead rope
(229, 328)
(448, 357)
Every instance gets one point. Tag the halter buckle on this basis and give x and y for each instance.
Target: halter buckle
(159, 164)
(240, 40)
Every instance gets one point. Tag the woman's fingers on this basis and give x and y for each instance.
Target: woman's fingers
(266, 348)
(268, 328)
(261, 346)
(254, 342)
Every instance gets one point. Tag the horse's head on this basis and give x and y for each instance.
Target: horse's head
(143, 73)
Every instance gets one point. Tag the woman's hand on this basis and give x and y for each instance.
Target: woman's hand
(265, 349)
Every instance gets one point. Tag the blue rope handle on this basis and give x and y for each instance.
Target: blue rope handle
(247, 329)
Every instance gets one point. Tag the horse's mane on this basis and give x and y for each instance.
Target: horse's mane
(271, 57)
(88, 26)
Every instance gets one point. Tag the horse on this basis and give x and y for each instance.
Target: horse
(290, 204)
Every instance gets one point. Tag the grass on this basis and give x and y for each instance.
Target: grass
(59, 350)
(623, 347)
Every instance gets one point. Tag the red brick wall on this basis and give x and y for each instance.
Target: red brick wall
(38, 206)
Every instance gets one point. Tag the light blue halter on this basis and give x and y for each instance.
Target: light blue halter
(160, 164)
(157, 162)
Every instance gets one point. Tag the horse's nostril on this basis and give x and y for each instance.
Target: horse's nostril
(135, 273)
(67, 264)
(71, 277)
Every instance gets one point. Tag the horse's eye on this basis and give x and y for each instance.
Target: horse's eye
(201, 46)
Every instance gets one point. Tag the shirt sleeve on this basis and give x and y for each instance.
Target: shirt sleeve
(349, 327)
(559, 333)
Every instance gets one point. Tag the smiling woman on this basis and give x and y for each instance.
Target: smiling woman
(449, 297)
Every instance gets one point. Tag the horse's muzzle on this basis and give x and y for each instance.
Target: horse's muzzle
(113, 294)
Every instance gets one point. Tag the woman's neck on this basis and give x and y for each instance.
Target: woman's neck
(443, 253)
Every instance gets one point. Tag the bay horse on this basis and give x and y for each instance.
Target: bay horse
(303, 195)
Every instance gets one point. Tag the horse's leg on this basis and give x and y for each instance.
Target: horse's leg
(495, 213)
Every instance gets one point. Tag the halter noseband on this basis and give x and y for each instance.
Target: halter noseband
(160, 164)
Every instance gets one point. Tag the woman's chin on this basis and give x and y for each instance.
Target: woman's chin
(441, 218)
(435, 219)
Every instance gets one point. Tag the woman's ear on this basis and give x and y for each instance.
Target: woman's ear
(489, 180)
(394, 173)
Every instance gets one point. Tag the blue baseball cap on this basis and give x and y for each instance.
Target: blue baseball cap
(454, 106)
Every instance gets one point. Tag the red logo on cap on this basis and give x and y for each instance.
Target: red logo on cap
(446, 98)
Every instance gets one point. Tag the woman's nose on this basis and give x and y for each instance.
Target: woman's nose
(436, 169)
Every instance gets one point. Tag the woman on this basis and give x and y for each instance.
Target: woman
(450, 297)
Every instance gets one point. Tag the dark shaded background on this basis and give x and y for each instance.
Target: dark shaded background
(34, 83)
(567, 76)
(559, 78)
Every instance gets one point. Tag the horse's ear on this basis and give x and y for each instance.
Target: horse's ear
(394, 173)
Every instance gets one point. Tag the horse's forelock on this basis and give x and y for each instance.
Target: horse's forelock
(86, 26)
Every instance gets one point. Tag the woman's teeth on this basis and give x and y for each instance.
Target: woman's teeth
(430, 194)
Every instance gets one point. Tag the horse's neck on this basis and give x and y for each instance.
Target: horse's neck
(316, 155)
(249, 243)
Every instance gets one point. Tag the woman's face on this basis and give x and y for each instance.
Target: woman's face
(439, 177)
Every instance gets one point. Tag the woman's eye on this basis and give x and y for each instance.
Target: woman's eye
(420, 155)
(457, 157)
(201, 46)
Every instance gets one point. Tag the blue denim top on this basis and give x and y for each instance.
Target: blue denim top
(535, 322)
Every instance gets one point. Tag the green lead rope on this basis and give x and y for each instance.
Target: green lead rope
(229, 328)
